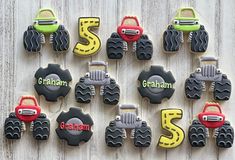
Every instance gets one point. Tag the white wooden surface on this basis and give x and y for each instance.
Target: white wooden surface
(17, 70)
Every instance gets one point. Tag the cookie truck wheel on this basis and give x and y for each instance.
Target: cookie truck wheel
(74, 126)
(222, 90)
(115, 47)
(60, 39)
(193, 88)
(199, 41)
(197, 134)
(156, 84)
(144, 48)
(225, 136)
(32, 40)
(41, 128)
(171, 39)
(12, 127)
(142, 136)
(83, 92)
(111, 93)
(52, 82)
(113, 135)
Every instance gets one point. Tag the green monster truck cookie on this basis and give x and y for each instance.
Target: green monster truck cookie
(185, 21)
(46, 23)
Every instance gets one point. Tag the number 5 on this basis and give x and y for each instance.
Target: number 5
(177, 133)
(90, 43)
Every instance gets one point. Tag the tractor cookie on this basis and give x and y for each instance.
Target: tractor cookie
(46, 23)
(74, 126)
(211, 118)
(208, 71)
(97, 75)
(129, 32)
(185, 21)
(52, 82)
(128, 118)
(28, 111)
(156, 84)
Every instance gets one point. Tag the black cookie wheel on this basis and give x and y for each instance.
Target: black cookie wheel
(51, 95)
(143, 136)
(225, 136)
(41, 128)
(199, 41)
(171, 39)
(222, 90)
(193, 88)
(61, 39)
(12, 127)
(156, 98)
(114, 47)
(144, 48)
(197, 134)
(74, 140)
(113, 135)
(111, 93)
(32, 40)
(82, 92)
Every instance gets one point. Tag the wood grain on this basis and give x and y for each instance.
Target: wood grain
(17, 70)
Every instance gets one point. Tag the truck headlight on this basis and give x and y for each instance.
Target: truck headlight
(176, 22)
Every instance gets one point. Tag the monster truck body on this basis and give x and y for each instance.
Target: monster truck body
(211, 117)
(46, 21)
(186, 20)
(130, 30)
(28, 109)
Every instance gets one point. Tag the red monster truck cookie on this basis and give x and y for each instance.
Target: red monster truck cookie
(211, 117)
(28, 111)
(129, 32)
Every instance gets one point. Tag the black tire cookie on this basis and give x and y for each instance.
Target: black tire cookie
(197, 134)
(156, 84)
(32, 40)
(60, 39)
(171, 39)
(144, 48)
(41, 128)
(225, 136)
(12, 127)
(113, 135)
(114, 47)
(199, 41)
(52, 82)
(74, 126)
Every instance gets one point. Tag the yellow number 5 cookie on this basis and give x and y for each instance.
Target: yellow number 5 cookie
(176, 133)
(89, 42)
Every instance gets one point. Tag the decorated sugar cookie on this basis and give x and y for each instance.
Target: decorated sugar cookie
(27, 111)
(74, 126)
(46, 23)
(186, 21)
(128, 118)
(208, 71)
(89, 43)
(177, 135)
(52, 82)
(156, 84)
(129, 31)
(211, 118)
(97, 75)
